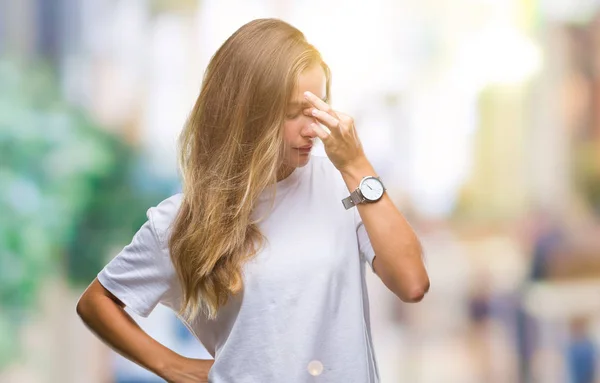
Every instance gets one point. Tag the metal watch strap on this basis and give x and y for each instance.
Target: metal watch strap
(354, 199)
(356, 196)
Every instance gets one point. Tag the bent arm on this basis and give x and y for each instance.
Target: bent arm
(398, 254)
(105, 316)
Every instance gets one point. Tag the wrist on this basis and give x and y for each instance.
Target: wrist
(167, 367)
(182, 369)
(354, 172)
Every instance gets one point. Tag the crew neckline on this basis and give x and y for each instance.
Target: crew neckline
(283, 186)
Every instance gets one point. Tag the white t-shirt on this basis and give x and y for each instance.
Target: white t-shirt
(304, 308)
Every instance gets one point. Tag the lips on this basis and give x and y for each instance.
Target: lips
(305, 149)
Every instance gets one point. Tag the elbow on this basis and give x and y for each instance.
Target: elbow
(410, 283)
(80, 308)
(95, 300)
(418, 280)
(85, 307)
(415, 293)
(89, 300)
(415, 296)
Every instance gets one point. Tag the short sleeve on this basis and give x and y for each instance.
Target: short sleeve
(142, 274)
(364, 242)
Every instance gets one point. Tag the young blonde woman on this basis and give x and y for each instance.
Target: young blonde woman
(263, 254)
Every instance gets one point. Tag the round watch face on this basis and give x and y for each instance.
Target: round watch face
(371, 189)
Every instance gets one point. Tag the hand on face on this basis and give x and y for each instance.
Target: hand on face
(338, 134)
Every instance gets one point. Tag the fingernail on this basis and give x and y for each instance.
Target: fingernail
(315, 111)
(306, 94)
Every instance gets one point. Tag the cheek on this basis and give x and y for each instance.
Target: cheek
(291, 130)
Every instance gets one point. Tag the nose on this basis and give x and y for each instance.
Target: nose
(307, 131)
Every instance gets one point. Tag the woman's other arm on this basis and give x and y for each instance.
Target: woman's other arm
(105, 315)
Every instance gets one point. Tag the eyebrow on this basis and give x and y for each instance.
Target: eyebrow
(303, 103)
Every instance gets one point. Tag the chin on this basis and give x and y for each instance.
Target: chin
(300, 162)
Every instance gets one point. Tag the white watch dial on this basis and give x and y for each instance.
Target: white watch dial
(371, 189)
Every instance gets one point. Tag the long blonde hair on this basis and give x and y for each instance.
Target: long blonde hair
(230, 152)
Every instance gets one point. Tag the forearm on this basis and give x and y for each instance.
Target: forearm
(111, 323)
(399, 260)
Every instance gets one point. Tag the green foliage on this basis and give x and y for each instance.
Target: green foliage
(68, 196)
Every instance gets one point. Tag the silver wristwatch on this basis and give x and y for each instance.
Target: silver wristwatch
(370, 189)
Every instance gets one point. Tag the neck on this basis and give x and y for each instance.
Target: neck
(284, 172)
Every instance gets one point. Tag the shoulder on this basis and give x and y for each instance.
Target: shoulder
(162, 216)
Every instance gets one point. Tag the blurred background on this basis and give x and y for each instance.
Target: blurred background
(482, 117)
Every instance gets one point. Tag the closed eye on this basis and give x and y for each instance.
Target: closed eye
(297, 107)
(293, 115)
